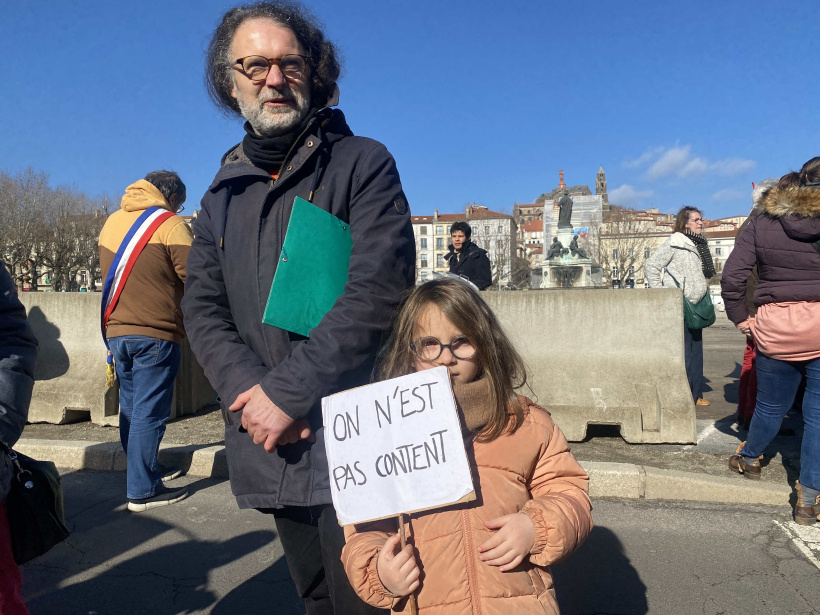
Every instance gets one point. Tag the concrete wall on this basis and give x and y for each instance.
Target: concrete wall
(70, 372)
(601, 356)
(595, 357)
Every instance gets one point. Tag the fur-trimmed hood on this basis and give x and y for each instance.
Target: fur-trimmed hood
(799, 200)
(797, 209)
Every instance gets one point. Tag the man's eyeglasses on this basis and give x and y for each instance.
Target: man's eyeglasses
(430, 348)
(256, 68)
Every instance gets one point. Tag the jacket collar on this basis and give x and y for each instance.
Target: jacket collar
(681, 241)
(236, 164)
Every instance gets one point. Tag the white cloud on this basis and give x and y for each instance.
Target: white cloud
(693, 168)
(678, 161)
(728, 194)
(672, 161)
(643, 158)
(733, 166)
(627, 196)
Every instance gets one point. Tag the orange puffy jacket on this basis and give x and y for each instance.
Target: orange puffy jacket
(530, 471)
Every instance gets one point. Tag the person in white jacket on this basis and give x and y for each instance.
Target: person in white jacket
(684, 258)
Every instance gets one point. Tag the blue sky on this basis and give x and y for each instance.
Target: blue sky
(682, 103)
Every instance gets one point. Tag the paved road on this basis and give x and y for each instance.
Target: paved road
(205, 556)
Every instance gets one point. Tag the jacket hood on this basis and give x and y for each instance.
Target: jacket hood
(798, 200)
(141, 195)
(797, 208)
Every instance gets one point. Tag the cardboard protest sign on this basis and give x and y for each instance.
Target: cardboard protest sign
(395, 447)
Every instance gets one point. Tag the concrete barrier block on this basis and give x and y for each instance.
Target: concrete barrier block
(71, 367)
(614, 480)
(677, 485)
(70, 372)
(604, 357)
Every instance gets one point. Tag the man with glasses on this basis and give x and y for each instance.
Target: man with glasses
(143, 250)
(271, 64)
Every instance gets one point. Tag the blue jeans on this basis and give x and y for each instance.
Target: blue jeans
(693, 356)
(777, 383)
(146, 368)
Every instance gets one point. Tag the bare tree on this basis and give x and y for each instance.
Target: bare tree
(626, 240)
(24, 199)
(49, 233)
(497, 236)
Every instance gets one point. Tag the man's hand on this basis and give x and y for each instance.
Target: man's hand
(266, 423)
(511, 544)
(398, 572)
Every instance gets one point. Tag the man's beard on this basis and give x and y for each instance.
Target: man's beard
(272, 122)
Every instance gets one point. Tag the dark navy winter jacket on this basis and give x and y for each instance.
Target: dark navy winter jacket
(18, 354)
(239, 234)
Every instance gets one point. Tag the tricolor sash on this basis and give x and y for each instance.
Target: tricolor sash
(135, 240)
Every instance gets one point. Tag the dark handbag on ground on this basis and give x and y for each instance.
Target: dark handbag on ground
(35, 507)
(697, 315)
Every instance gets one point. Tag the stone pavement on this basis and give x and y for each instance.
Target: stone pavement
(653, 471)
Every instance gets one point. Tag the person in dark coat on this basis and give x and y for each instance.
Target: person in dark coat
(466, 259)
(271, 64)
(784, 242)
(18, 353)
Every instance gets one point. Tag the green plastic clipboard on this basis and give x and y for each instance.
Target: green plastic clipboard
(312, 269)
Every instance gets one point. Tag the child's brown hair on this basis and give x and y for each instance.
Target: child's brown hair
(498, 361)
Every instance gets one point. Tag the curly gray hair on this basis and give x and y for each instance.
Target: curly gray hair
(323, 55)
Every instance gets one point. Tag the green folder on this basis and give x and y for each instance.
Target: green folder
(312, 269)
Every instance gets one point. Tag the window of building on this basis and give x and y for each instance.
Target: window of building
(439, 243)
(423, 260)
(500, 228)
(439, 230)
(423, 276)
(615, 253)
(631, 252)
(646, 252)
(486, 230)
(423, 230)
(424, 243)
(717, 251)
(439, 260)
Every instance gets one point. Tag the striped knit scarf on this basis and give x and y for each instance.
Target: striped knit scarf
(705, 256)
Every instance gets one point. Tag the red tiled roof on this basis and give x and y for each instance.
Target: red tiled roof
(533, 226)
(476, 214)
(720, 234)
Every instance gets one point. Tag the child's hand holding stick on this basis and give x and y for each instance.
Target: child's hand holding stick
(399, 572)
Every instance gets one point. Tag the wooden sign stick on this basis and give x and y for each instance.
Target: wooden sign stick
(414, 607)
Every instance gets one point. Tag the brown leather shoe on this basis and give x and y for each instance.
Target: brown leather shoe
(805, 515)
(702, 402)
(739, 464)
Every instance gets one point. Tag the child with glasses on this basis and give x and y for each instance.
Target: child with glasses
(491, 555)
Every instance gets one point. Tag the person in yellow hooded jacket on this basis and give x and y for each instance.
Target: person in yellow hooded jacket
(144, 330)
